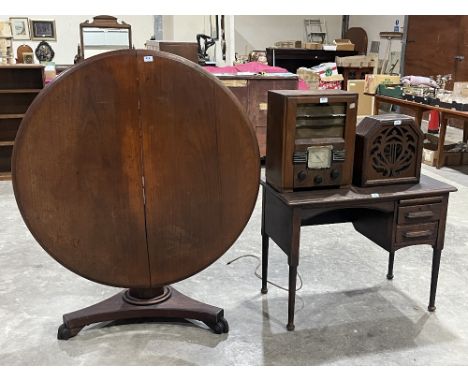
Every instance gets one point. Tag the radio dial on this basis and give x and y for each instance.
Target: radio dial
(318, 179)
(334, 174)
(302, 175)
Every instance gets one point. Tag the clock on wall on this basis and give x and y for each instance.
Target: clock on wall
(44, 52)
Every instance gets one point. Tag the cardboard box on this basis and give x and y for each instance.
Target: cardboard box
(313, 45)
(343, 44)
(289, 44)
(356, 61)
(373, 80)
(428, 157)
(460, 89)
(329, 47)
(365, 102)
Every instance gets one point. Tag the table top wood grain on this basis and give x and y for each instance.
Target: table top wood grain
(136, 169)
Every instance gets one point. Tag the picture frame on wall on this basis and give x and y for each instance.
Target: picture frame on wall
(20, 28)
(43, 30)
(5, 30)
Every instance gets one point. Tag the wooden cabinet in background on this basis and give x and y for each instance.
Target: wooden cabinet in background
(294, 58)
(437, 45)
(19, 85)
(188, 50)
(252, 92)
(354, 73)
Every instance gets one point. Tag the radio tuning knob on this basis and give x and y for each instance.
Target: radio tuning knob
(302, 175)
(318, 179)
(335, 174)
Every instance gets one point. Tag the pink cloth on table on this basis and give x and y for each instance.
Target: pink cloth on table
(257, 67)
(220, 70)
(254, 67)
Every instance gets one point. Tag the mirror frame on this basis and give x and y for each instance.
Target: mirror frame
(104, 22)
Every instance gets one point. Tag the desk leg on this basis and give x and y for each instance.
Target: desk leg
(465, 131)
(292, 296)
(435, 275)
(418, 117)
(376, 106)
(391, 257)
(293, 263)
(441, 142)
(265, 242)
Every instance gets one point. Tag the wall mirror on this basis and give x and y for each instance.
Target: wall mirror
(104, 34)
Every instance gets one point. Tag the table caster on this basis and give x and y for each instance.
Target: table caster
(220, 326)
(64, 333)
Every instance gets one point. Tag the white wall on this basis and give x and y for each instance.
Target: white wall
(184, 27)
(68, 33)
(260, 32)
(251, 32)
(373, 25)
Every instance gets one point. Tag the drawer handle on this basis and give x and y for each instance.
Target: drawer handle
(419, 214)
(416, 234)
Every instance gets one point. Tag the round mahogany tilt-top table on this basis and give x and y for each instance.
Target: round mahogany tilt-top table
(136, 169)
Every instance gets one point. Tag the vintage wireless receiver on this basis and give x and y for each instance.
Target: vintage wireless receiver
(388, 150)
(310, 139)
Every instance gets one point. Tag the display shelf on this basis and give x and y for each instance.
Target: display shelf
(11, 116)
(19, 86)
(5, 176)
(7, 91)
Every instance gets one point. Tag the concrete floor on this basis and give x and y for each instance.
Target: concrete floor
(347, 312)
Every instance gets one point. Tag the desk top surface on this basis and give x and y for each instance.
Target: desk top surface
(427, 187)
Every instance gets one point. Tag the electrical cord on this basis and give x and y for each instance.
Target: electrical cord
(260, 276)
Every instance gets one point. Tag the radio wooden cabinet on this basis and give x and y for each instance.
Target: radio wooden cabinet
(19, 85)
(310, 139)
(252, 92)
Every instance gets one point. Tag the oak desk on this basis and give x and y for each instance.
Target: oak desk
(419, 109)
(393, 217)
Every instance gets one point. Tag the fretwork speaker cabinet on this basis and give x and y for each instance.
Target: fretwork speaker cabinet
(388, 150)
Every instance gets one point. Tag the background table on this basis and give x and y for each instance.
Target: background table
(419, 109)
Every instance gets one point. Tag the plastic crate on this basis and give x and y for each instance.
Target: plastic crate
(390, 91)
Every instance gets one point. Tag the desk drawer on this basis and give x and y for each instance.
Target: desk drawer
(409, 234)
(420, 213)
